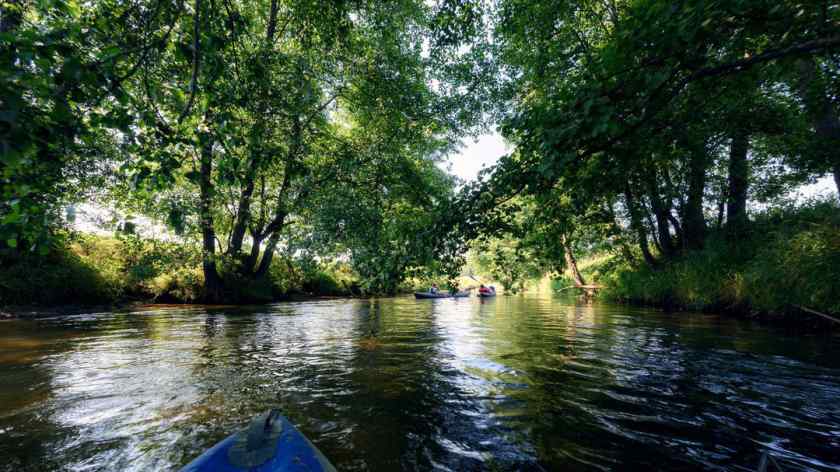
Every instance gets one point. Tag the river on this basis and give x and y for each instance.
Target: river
(512, 383)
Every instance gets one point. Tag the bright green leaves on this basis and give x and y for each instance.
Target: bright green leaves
(63, 105)
(607, 100)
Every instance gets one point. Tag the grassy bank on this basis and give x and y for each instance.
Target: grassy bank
(787, 258)
(90, 269)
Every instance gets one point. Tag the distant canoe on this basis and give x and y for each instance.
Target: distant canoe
(420, 295)
(487, 295)
(269, 444)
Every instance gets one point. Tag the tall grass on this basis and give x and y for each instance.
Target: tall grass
(90, 269)
(789, 257)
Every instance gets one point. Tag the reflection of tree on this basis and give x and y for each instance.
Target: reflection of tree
(29, 433)
(396, 385)
(410, 407)
(557, 360)
(70, 385)
(517, 383)
(285, 356)
(603, 386)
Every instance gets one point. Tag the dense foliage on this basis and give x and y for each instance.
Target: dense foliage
(651, 130)
(784, 262)
(300, 128)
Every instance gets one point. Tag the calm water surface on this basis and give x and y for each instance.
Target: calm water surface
(515, 383)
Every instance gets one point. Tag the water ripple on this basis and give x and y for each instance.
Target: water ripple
(515, 383)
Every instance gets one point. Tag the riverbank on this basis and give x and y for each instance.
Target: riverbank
(84, 272)
(38, 311)
(90, 270)
(46, 311)
(782, 266)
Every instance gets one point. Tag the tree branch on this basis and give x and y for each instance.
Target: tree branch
(195, 62)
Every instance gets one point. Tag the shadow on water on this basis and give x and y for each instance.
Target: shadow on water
(512, 383)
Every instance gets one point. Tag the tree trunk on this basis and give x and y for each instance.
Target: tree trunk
(736, 204)
(837, 178)
(660, 212)
(251, 262)
(271, 28)
(825, 115)
(273, 229)
(651, 226)
(243, 214)
(212, 281)
(694, 222)
(268, 255)
(571, 262)
(680, 242)
(637, 225)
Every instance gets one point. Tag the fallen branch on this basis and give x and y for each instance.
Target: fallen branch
(815, 312)
(584, 287)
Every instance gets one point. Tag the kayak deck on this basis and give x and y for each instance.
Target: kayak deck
(270, 444)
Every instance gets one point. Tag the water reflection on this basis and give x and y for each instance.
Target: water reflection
(512, 383)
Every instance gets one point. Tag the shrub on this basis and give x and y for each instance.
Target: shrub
(85, 268)
(802, 268)
(61, 276)
(320, 282)
(790, 256)
(182, 284)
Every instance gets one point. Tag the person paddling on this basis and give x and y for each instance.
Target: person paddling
(434, 289)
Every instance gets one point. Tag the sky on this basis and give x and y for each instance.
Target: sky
(488, 148)
(476, 153)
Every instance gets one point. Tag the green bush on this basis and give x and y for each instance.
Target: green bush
(181, 284)
(144, 268)
(62, 276)
(790, 256)
(85, 268)
(697, 280)
(797, 269)
(321, 283)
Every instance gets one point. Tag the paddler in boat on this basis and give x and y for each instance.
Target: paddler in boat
(434, 289)
(483, 290)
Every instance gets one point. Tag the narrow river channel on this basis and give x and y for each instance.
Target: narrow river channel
(513, 383)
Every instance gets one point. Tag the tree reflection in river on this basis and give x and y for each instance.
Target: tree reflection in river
(509, 383)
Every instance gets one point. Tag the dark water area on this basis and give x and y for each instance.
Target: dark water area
(512, 383)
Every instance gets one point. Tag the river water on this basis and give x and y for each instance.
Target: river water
(512, 383)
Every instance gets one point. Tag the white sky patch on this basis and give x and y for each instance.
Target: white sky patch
(103, 220)
(821, 188)
(483, 152)
(488, 148)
